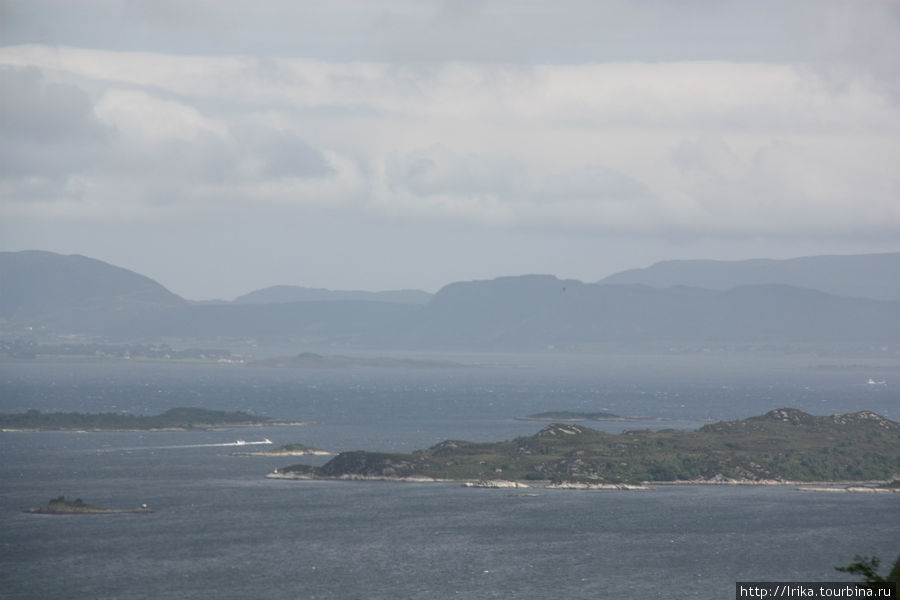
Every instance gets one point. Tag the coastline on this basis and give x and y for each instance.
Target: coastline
(802, 486)
(286, 453)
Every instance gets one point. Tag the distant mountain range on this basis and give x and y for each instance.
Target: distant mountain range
(758, 302)
(75, 293)
(874, 276)
(280, 294)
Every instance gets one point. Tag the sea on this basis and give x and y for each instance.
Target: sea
(222, 530)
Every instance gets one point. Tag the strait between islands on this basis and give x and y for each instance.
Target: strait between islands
(783, 446)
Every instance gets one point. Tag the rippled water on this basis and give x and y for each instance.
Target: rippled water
(222, 530)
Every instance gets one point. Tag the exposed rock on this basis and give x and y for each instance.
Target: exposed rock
(495, 483)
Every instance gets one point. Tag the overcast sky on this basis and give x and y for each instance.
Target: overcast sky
(221, 147)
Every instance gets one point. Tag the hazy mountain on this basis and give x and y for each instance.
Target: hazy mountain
(277, 294)
(342, 322)
(538, 310)
(875, 276)
(75, 292)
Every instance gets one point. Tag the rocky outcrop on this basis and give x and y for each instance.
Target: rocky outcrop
(577, 485)
(495, 483)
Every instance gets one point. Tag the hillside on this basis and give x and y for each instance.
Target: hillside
(540, 310)
(74, 293)
(873, 276)
(346, 322)
(56, 295)
(784, 444)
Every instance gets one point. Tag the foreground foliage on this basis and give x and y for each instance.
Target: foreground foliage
(867, 568)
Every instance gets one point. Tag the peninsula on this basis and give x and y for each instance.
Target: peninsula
(782, 445)
(61, 506)
(180, 419)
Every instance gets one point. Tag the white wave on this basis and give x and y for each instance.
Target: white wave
(185, 446)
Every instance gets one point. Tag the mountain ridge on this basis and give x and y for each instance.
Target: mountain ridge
(60, 295)
(283, 294)
(873, 276)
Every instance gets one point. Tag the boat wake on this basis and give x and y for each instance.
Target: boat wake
(224, 444)
(185, 446)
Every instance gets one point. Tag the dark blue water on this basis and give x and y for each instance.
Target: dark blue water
(222, 530)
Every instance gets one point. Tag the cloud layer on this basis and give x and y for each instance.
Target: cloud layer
(622, 118)
(687, 148)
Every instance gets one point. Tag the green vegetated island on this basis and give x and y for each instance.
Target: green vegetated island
(784, 445)
(62, 506)
(173, 419)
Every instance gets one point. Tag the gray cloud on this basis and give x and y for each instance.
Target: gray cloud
(438, 170)
(34, 108)
(503, 31)
(281, 154)
(46, 129)
(634, 120)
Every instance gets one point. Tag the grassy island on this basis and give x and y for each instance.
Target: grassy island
(784, 444)
(61, 506)
(176, 418)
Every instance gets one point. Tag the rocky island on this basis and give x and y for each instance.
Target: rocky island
(61, 506)
(288, 450)
(559, 416)
(179, 419)
(784, 445)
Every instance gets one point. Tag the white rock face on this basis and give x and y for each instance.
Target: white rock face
(568, 485)
(494, 483)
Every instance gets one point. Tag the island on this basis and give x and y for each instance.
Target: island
(288, 450)
(560, 416)
(784, 445)
(311, 360)
(175, 419)
(61, 506)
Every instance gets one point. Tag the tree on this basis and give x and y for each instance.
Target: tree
(867, 566)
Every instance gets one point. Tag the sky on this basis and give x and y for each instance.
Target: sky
(223, 146)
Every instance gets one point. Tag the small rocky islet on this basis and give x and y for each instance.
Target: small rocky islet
(63, 506)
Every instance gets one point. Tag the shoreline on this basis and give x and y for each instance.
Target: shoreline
(286, 453)
(802, 486)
